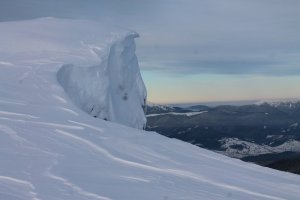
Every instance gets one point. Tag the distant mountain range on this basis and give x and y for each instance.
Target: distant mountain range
(248, 131)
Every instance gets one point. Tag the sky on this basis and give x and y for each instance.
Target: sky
(197, 50)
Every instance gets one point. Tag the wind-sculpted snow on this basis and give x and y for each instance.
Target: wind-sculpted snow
(112, 90)
(99, 72)
(52, 149)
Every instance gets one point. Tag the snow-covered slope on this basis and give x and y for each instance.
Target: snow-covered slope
(288, 103)
(52, 149)
(99, 70)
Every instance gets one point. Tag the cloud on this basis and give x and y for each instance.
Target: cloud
(192, 36)
(259, 37)
(265, 63)
(244, 58)
(112, 10)
(232, 67)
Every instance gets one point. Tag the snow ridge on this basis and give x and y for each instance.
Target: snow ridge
(280, 102)
(114, 89)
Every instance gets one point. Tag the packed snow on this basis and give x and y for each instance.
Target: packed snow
(99, 69)
(111, 89)
(52, 148)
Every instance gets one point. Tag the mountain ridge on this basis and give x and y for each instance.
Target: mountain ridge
(236, 131)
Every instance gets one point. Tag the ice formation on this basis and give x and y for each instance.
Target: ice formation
(112, 90)
(99, 72)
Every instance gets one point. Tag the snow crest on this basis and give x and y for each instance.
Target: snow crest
(114, 89)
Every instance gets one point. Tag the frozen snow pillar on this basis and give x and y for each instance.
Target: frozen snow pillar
(114, 89)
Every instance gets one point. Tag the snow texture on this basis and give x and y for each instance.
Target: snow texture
(111, 90)
(51, 148)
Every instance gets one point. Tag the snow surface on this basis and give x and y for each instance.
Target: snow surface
(99, 72)
(52, 149)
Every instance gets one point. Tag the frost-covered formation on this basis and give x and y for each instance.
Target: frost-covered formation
(100, 71)
(50, 149)
(112, 90)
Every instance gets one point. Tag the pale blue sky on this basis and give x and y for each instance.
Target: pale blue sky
(197, 50)
(218, 87)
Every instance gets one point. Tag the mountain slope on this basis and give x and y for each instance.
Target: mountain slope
(289, 164)
(52, 149)
(236, 131)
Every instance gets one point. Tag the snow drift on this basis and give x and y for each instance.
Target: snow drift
(112, 90)
(100, 71)
(51, 149)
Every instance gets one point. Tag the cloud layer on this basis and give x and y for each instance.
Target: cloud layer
(192, 36)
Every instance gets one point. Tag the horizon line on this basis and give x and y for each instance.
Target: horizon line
(225, 101)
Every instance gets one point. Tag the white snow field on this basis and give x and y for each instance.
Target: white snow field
(51, 149)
